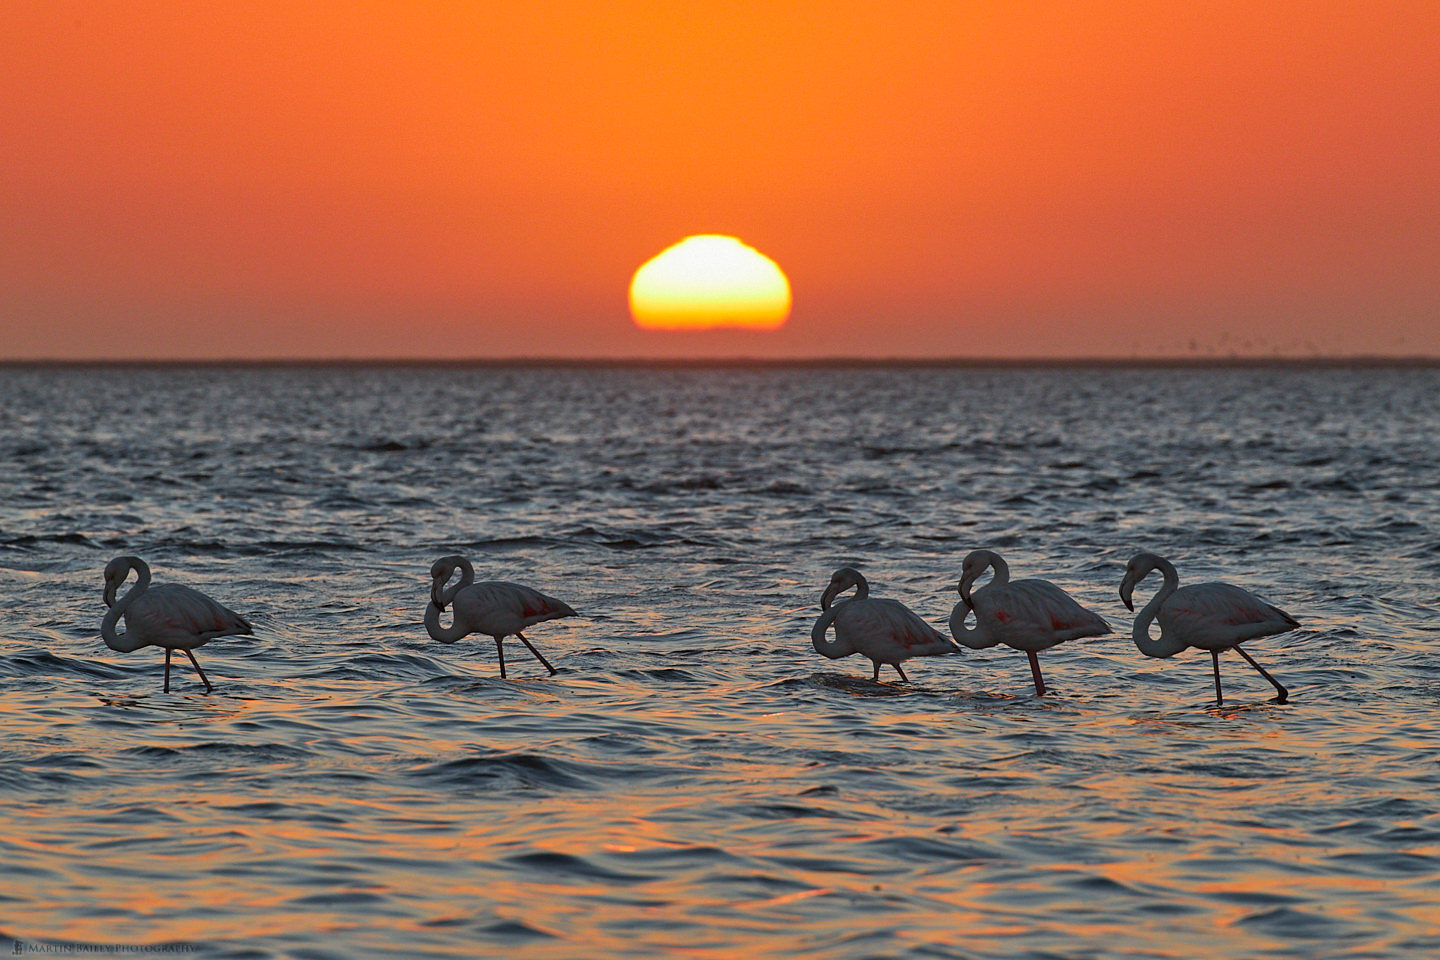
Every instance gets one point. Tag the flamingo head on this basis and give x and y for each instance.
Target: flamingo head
(842, 580)
(1136, 570)
(440, 573)
(976, 562)
(115, 573)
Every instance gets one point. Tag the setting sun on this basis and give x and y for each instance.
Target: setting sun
(709, 281)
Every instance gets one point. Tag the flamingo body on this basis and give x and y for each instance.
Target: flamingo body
(884, 631)
(495, 608)
(1210, 616)
(176, 616)
(500, 609)
(166, 615)
(1217, 616)
(1029, 615)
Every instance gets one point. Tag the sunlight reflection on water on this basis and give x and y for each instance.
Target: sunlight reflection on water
(696, 779)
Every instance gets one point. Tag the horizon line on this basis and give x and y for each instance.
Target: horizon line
(1360, 360)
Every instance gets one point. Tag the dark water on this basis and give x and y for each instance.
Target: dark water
(696, 780)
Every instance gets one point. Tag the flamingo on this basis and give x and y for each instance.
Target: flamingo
(1211, 616)
(166, 615)
(1029, 615)
(886, 631)
(493, 607)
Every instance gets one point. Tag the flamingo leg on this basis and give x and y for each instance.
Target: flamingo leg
(208, 688)
(1215, 662)
(167, 669)
(537, 653)
(903, 678)
(500, 649)
(876, 675)
(1035, 673)
(1283, 694)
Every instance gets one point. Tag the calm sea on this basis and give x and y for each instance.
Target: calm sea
(697, 781)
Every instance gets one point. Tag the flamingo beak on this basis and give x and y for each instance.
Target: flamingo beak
(828, 597)
(1127, 587)
(969, 573)
(109, 593)
(435, 595)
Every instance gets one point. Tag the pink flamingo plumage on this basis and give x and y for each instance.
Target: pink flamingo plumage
(493, 607)
(166, 615)
(1210, 616)
(885, 631)
(1029, 615)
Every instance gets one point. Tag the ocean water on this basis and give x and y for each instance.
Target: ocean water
(696, 780)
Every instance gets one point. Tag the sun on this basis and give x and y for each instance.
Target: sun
(709, 281)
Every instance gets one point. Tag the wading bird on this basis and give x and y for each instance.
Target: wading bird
(493, 608)
(1029, 615)
(166, 615)
(886, 631)
(1211, 616)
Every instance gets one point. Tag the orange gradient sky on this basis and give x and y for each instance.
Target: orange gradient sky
(1001, 179)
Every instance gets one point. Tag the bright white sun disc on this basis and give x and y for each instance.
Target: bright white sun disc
(709, 281)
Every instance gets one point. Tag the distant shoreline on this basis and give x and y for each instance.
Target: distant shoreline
(758, 362)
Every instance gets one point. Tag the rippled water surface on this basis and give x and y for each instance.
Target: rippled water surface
(696, 780)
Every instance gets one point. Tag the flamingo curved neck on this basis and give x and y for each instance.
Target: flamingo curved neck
(990, 560)
(1159, 647)
(1001, 568)
(972, 637)
(823, 644)
(861, 585)
(122, 641)
(467, 577)
(432, 625)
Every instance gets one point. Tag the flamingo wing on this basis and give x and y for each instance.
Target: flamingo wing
(517, 605)
(888, 630)
(1034, 615)
(1220, 615)
(172, 615)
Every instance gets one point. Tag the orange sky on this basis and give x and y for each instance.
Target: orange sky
(993, 179)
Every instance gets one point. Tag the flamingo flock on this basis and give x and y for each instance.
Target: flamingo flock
(1028, 615)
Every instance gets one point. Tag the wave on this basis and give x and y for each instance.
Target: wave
(43, 663)
(526, 770)
(31, 540)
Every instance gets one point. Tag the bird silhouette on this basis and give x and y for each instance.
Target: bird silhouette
(166, 615)
(1211, 616)
(1029, 615)
(886, 631)
(494, 608)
